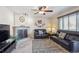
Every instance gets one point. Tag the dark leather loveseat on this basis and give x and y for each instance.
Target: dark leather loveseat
(70, 41)
(40, 34)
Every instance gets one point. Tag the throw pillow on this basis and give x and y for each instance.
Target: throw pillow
(62, 35)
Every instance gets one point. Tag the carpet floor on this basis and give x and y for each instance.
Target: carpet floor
(29, 45)
(46, 46)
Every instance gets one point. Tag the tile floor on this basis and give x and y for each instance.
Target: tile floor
(29, 45)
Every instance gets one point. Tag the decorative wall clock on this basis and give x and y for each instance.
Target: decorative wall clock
(22, 19)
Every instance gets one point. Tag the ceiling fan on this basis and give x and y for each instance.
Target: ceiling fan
(42, 10)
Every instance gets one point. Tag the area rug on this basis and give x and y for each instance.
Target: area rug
(46, 46)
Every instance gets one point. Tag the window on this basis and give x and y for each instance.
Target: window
(78, 21)
(69, 22)
(60, 23)
(65, 18)
(72, 22)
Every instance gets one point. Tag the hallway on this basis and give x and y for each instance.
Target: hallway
(29, 45)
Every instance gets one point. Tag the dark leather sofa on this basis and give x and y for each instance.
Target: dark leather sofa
(69, 42)
(40, 34)
(7, 47)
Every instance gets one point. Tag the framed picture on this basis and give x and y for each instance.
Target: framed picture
(39, 23)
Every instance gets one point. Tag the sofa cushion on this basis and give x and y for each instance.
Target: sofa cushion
(62, 35)
(40, 32)
(65, 42)
(55, 37)
(57, 33)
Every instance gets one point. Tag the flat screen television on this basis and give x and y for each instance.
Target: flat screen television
(4, 32)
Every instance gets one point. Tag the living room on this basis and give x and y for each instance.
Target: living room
(30, 28)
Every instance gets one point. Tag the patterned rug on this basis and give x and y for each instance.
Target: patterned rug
(46, 46)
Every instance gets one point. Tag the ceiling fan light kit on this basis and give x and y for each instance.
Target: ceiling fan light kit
(42, 10)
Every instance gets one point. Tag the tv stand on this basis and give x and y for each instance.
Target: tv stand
(7, 47)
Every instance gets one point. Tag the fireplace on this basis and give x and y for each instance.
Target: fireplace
(21, 32)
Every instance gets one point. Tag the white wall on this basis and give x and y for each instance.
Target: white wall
(6, 17)
(30, 22)
(17, 21)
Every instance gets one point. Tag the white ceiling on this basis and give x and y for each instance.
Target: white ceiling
(28, 10)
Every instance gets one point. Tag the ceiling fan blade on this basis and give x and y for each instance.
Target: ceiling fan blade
(40, 8)
(48, 10)
(35, 10)
(36, 13)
